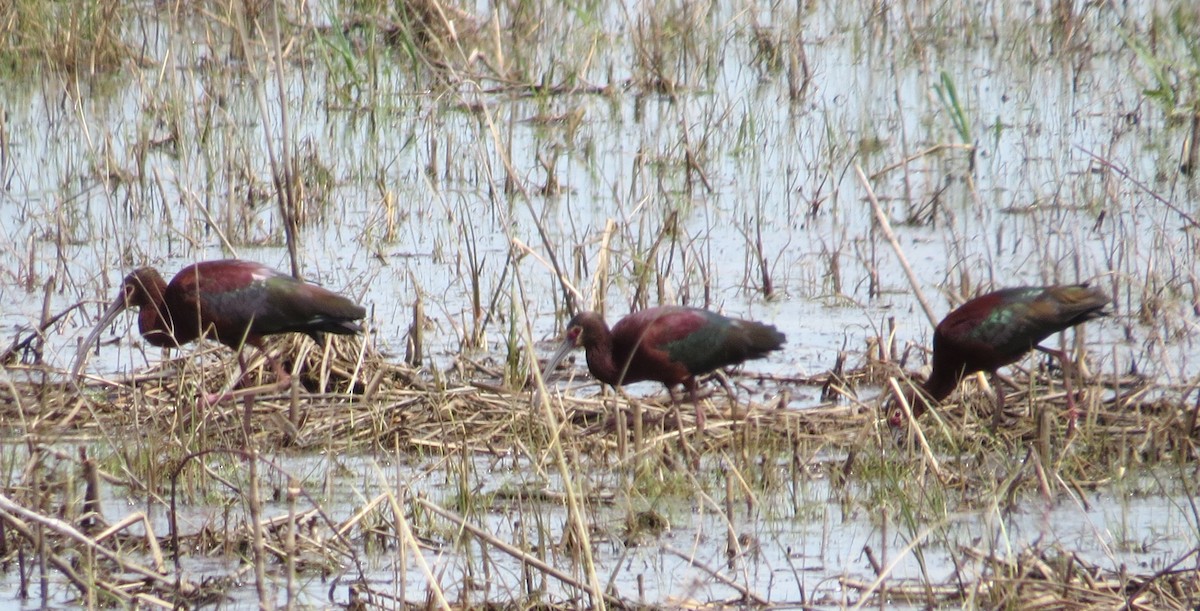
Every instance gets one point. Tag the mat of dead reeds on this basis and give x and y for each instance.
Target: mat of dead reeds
(352, 399)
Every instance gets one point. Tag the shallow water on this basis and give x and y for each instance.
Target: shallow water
(409, 185)
(796, 544)
(1035, 208)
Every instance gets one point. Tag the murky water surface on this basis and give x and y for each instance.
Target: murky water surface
(409, 198)
(792, 546)
(645, 198)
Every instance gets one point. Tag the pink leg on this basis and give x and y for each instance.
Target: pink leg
(1068, 372)
(212, 399)
(998, 415)
(284, 380)
(690, 384)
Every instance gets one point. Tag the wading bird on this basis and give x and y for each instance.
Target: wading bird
(232, 301)
(668, 344)
(997, 329)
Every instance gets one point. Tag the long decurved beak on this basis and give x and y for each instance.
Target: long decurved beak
(567, 345)
(116, 307)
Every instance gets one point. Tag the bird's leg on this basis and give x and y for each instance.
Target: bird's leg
(284, 380)
(690, 384)
(282, 377)
(1068, 368)
(674, 409)
(729, 391)
(213, 399)
(999, 413)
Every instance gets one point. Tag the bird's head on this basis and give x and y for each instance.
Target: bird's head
(894, 405)
(574, 335)
(585, 328)
(582, 329)
(142, 288)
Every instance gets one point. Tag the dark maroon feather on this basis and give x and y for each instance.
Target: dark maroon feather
(231, 301)
(669, 344)
(998, 329)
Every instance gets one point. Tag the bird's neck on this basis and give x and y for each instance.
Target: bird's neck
(600, 358)
(939, 386)
(154, 320)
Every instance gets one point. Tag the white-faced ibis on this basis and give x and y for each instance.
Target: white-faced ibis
(997, 329)
(668, 344)
(234, 302)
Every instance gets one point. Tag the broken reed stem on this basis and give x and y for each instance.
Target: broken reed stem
(283, 176)
(571, 296)
(211, 223)
(574, 509)
(289, 540)
(930, 459)
(502, 545)
(886, 228)
(1141, 186)
(19, 518)
(747, 594)
(290, 192)
(254, 511)
(574, 296)
(600, 279)
(414, 348)
(937, 148)
(410, 542)
(91, 496)
(731, 542)
(155, 551)
(865, 597)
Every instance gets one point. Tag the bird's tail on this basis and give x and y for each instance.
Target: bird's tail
(335, 326)
(1080, 303)
(761, 339)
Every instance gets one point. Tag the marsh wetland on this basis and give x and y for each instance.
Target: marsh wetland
(474, 174)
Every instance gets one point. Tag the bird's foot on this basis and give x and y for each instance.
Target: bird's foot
(214, 399)
(1072, 415)
(1072, 409)
(699, 420)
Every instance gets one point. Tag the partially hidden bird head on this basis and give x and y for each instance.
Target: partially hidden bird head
(912, 395)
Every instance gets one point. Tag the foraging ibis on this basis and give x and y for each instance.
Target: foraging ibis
(997, 329)
(232, 301)
(667, 344)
